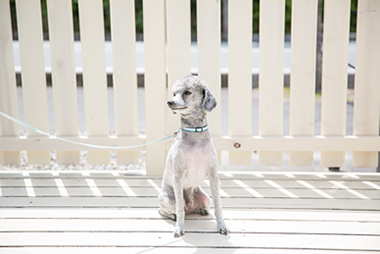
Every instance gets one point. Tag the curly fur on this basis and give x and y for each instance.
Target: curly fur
(191, 159)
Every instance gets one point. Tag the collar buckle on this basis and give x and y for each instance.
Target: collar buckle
(196, 129)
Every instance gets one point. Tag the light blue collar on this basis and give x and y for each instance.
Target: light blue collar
(196, 129)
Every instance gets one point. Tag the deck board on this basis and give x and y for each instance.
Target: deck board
(169, 250)
(152, 202)
(123, 217)
(203, 225)
(146, 239)
(117, 191)
(151, 213)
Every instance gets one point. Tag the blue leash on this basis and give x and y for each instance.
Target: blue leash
(27, 126)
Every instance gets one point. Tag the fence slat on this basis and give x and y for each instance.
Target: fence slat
(271, 75)
(124, 74)
(178, 47)
(334, 76)
(94, 74)
(8, 96)
(240, 75)
(33, 72)
(367, 76)
(302, 82)
(61, 38)
(155, 83)
(208, 28)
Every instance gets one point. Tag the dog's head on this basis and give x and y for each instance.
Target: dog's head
(191, 94)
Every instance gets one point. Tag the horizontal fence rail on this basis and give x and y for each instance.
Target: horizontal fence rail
(223, 143)
(167, 57)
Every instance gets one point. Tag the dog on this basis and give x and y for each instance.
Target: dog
(192, 158)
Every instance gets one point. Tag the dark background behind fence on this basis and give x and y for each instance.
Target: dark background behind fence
(139, 18)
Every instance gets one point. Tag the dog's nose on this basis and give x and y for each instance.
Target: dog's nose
(170, 103)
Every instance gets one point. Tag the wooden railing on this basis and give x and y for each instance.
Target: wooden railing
(167, 40)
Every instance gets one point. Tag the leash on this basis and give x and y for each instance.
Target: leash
(27, 126)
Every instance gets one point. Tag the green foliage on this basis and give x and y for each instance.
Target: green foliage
(139, 15)
(44, 14)
(13, 16)
(107, 17)
(193, 7)
(288, 16)
(354, 4)
(75, 16)
(255, 16)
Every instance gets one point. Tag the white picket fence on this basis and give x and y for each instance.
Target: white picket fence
(167, 58)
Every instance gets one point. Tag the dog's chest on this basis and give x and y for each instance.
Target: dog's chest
(197, 166)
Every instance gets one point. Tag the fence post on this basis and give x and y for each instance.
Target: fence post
(334, 76)
(302, 86)
(271, 78)
(178, 30)
(61, 38)
(8, 95)
(94, 74)
(208, 14)
(240, 76)
(124, 74)
(367, 76)
(33, 73)
(155, 83)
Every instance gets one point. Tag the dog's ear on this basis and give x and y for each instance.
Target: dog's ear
(209, 102)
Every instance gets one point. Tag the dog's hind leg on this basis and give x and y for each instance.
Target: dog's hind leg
(167, 204)
(167, 211)
(201, 202)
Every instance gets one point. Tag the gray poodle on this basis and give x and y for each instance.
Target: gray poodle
(192, 157)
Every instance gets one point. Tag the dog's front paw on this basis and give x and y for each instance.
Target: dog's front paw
(223, 229)
(178, 231)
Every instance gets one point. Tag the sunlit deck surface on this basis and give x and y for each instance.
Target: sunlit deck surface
(116, 212)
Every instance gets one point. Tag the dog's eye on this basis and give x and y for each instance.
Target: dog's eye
(187, 93)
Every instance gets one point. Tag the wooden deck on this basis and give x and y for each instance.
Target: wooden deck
(116, 212)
